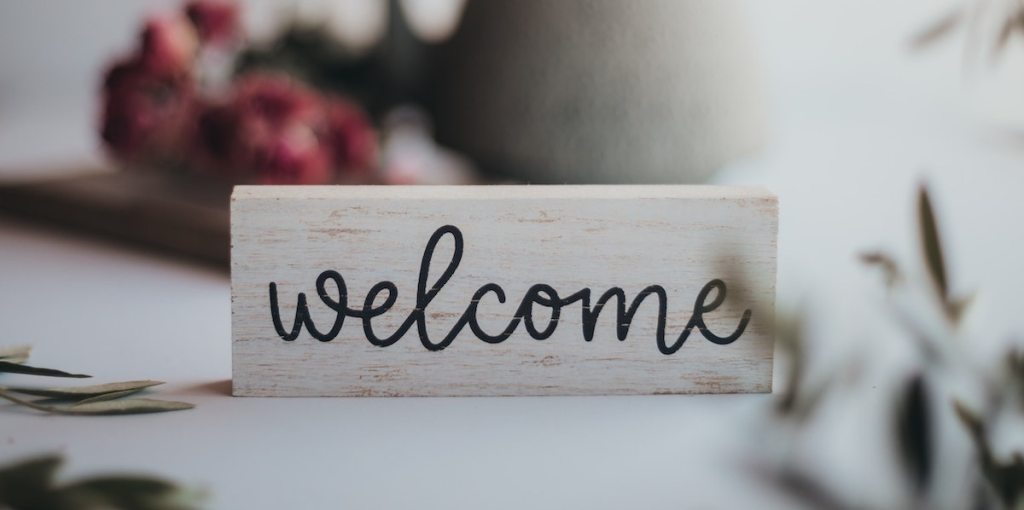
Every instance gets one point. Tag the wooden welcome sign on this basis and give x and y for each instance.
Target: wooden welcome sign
(501, 290)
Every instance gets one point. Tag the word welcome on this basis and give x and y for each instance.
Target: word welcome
(538, 295)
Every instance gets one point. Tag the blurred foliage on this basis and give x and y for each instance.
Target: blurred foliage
(914, 414)
(391, 73)
(315, 56)
(1009, 23)
(914, 433)
(31, 485)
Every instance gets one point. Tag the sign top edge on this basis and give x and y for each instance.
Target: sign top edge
(487, 192)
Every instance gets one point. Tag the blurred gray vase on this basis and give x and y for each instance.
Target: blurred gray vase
(600, 91)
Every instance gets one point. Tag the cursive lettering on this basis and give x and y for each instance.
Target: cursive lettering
(540, 294)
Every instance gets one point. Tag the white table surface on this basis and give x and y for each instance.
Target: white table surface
(844, 156)
(119, 314)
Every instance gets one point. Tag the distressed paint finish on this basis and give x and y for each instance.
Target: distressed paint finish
(569, 237)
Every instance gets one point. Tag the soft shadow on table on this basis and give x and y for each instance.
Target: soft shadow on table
(220, 388)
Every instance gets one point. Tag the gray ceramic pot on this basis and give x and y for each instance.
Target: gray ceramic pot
(600, 91)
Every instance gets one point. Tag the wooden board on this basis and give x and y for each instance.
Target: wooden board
(154, 210)
(707, 253)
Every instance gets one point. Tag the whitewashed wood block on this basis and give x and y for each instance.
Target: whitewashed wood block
(501, 307)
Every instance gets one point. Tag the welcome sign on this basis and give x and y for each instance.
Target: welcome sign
(501, 290)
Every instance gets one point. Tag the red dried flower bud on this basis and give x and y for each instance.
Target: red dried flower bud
(169, 45)
(268, 132)
(145, 115)
(216, 21)
(350, 136)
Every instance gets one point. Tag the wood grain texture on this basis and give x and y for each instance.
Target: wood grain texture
(569, 237)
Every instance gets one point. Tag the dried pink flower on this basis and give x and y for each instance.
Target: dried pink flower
(268, 132)
(169, 45)
(216, 21)
(145, 114)
(350, 136)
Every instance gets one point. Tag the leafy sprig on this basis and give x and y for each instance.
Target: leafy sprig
(31, 485)
(914, 427)
(99, 399)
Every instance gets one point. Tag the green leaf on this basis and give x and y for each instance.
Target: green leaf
(803, 486)
(105, 407)
(1013, 23)
(17, 368)
(914, 433)
(957, 307)
(938, 29)
(931, 244)
(85, 392)
(886, 263)
(15, 353)
(27, 484)
(35, 472)
(127, 406)
(969, 418)
(108, 396)
(1005, 478)
(1008, 480)
(123, 484)
(129, 492)
(976, 429)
